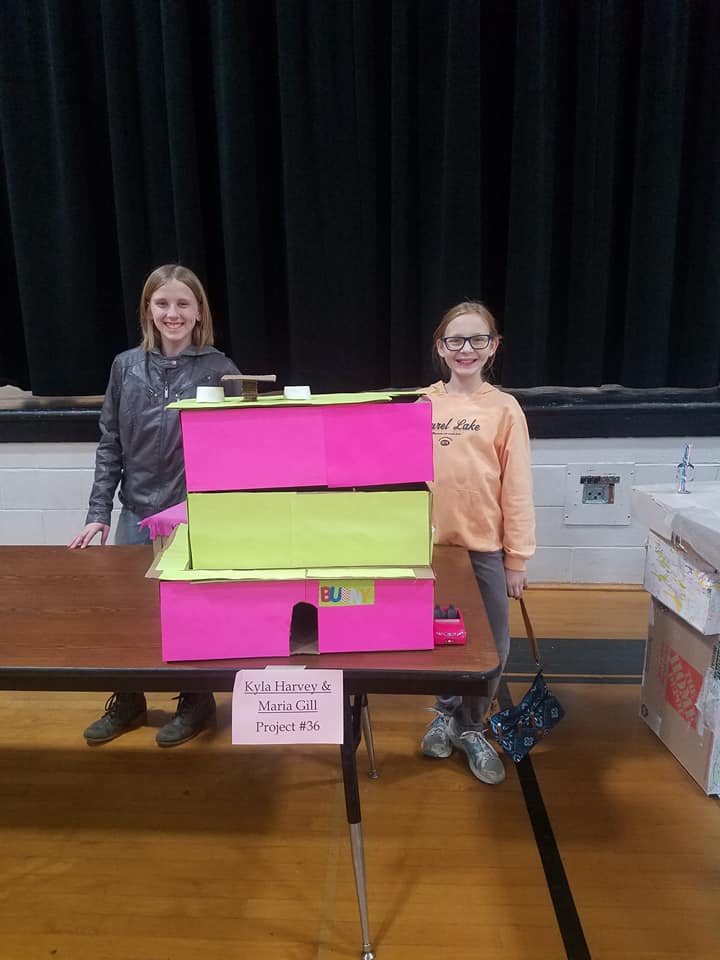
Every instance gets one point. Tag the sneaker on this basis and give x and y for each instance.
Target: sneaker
(436, 742)
(483, 760)
(194, 712)
(123, 711)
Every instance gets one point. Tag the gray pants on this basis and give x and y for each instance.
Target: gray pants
(489, 570)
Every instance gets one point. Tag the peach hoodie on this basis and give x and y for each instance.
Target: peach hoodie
(482, 494)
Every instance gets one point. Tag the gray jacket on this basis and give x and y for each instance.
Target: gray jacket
(140, 444)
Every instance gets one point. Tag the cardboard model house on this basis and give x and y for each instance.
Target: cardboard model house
(319, 504)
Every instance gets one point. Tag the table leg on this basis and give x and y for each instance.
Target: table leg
(368, 736)
(348, 748)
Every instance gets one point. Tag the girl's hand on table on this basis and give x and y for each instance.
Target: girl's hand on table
(88, 532)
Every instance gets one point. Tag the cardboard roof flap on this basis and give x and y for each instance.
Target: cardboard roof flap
(173, 564)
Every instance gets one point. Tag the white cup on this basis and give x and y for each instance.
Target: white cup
(296, 393)
(210, 395)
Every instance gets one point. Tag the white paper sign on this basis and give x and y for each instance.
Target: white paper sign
(287, 705)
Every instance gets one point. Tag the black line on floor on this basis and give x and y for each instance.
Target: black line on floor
(580, 656)
(572, 678)
(566, 914)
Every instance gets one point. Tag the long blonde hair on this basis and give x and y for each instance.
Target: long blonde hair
(202, 335)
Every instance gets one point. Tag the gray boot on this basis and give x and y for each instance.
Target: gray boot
(194, 712)
(123, 711)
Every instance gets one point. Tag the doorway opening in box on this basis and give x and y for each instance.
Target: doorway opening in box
(304, 629)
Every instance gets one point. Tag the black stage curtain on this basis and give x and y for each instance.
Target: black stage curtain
(339, 172)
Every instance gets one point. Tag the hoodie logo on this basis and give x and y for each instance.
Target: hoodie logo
(454, 428)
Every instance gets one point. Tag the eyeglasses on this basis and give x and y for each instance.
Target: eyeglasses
(478, 342)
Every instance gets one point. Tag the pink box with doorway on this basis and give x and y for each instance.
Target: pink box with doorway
(341, 445)
(217, 620)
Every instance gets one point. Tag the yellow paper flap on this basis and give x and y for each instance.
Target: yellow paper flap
(318, 400)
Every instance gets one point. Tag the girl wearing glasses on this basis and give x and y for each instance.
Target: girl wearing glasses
(482, 500)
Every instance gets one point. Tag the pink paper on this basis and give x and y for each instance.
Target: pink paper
(372, 444)
(219, 621)
(162, 524)
(400, 619)
(287, 705)
(259, 449)
(229, 620)
(364, 444)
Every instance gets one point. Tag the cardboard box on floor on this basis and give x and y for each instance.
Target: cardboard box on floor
(684, 582)
(691, 519)
(683, 549)
(680, 698)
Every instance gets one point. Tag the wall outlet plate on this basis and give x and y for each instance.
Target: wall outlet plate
(598, 493)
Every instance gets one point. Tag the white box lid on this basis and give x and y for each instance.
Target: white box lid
(692, 518)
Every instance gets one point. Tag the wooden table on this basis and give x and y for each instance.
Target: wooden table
(89, 620)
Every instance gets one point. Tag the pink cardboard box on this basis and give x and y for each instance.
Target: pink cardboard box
(216, 620)
(345, 445)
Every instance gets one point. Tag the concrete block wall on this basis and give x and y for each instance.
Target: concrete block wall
(44, 489)
(610, 553)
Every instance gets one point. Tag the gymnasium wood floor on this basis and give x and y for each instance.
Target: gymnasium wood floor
(605, 849)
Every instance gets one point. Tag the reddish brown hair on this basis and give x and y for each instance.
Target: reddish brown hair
(468, 306)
